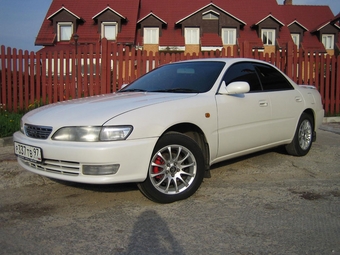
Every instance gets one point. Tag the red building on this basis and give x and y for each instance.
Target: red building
(190, 26)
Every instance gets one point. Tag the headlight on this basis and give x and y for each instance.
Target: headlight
(92, 134)
(22, 127)
(115, 133)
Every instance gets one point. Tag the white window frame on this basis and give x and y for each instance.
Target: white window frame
(105, 25)
(229, 36)
(328, 41)
(151, 35)
(192, 35)
(296, 39)
(210, 16)
(64, 35)
(270, 36)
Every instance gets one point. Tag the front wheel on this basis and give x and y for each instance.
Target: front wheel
(176, 169)
(303, 137)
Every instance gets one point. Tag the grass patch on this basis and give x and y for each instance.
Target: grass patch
(9, 123)
(332, 115)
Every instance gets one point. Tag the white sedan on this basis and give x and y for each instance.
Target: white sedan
(165, 130)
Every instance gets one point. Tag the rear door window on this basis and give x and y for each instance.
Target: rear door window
(271, 79)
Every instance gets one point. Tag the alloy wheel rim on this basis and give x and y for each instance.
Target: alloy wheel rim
(173, 169)
(305, 135)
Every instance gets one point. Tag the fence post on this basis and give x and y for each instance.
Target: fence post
(289, 56)
(21, 84)
(337, 86)
(332, 85)
(246, 50)
(3, 76)
(9, 79)
(15, 80)
(103, 71)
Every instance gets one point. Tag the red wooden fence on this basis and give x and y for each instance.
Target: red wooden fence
(28, 78)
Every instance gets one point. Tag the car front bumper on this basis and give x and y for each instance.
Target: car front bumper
(66, 160)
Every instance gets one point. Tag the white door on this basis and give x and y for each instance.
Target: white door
(286, 102)
(243, 119)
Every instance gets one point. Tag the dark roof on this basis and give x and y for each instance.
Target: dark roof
(310, 17)
(172, 13)
(175, 11)
(87, 10)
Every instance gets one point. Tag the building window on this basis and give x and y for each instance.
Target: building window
(268, 36)
(210, 16)
(192, 35)
(328, 41)
(229, 36)
(109, 30)
(151, 35)
(65, 31)
(296, 39)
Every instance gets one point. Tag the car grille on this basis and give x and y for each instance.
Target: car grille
(55, 166)
(37, 132)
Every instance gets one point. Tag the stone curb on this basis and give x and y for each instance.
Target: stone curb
(6, 141)
(331, 119)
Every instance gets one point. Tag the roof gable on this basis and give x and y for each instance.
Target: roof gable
(108, 8)
(60, 10)
(270, 16)
(318, 28)
(211, 11)
(299, 24)
(209, 5)
(153, 15)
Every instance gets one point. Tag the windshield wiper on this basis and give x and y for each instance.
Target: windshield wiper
(177, 90)
(132, 90)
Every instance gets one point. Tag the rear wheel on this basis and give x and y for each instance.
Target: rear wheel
(176, 169)
(303, 137)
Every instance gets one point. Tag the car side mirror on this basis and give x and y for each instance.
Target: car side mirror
(236, 87)
(123, 86)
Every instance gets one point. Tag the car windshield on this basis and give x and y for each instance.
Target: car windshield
(185, 77)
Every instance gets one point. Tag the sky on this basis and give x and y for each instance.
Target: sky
(20, 20)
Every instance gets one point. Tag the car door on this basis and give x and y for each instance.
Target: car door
(242, 118)
(286, 102)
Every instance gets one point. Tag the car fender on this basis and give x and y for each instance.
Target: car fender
(153, 120)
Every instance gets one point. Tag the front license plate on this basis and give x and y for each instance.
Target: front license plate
(28, 152)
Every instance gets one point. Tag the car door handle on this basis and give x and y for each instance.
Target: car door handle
(298, 99)
(263, 103)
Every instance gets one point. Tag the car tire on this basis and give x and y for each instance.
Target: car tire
(303, 137)
(176, 169)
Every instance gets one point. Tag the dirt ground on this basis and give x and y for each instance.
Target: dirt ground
(265, 203)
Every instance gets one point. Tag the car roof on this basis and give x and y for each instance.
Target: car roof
(228, 61)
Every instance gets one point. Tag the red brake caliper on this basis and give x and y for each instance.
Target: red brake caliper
(156, 169)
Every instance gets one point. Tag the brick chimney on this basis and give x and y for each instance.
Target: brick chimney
(288, 2)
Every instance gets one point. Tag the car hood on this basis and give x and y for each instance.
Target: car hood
(96, 110)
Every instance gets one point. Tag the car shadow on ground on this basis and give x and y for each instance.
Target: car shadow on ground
(126, 187)
(105, 188)
(279, 150)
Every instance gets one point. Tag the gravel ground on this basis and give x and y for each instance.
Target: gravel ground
(264, 203)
